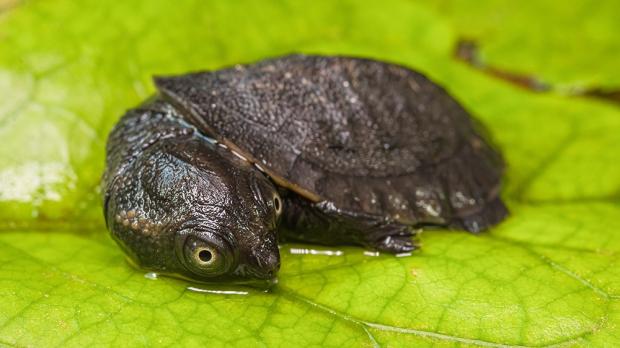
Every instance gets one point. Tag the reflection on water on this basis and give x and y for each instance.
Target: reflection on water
(350, 252)
(231, 289)
(218, 289)
(217, 292)
(249, 287)
(305, 251)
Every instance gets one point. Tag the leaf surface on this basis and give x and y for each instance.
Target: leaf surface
(548, 276)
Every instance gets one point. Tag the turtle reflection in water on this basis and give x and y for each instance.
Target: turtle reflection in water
(203, 179)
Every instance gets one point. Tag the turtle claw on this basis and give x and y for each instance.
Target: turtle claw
(395, 244)
(391, 237)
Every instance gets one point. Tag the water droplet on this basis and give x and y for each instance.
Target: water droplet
(151, 275)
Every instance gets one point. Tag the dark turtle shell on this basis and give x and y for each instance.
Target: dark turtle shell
(371, 137)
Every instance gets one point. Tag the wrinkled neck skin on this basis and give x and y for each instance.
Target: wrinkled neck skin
(165, 183)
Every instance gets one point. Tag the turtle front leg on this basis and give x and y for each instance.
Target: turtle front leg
(323, 223)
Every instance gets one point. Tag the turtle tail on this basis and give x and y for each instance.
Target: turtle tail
(491, 214)
(473, 191)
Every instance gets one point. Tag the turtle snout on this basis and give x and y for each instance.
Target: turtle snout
(272, 265)
(266, 259)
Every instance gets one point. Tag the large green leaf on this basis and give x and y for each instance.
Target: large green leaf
(572, 43)
(547, 276)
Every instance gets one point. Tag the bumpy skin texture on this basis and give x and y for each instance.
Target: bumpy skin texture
(360, 151)
(166, 187)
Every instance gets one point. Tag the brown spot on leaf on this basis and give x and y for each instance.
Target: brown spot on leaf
(468, 51)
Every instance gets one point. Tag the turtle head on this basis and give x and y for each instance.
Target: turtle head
(232, 234)
(209, 216)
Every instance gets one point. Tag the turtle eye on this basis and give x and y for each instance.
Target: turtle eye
(277, 204)
(207, 256)
(263, 190)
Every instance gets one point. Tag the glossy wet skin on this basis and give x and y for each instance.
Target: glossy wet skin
(182, 206)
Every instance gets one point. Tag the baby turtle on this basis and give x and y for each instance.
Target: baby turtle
(203, 178)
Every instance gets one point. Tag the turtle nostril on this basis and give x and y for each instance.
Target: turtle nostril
(267, 265)
(264, 259)
(272, 272)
